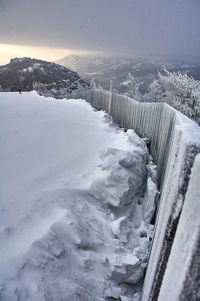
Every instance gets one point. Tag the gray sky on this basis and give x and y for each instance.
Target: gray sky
(149, 27)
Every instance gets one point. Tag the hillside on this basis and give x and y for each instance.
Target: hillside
(23, 73)
(103, 69)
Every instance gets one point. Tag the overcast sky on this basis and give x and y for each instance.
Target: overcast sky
(129, 27)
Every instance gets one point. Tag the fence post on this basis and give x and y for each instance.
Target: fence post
(110, 98)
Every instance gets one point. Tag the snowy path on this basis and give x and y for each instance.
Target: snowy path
(75, 205)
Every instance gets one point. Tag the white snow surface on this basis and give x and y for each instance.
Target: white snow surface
(76, 201)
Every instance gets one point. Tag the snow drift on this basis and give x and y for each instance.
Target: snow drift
(174, 145)
(77, 199)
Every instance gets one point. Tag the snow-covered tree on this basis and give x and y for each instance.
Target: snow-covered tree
(156, 92)
(80, 87)
(130, 87)
(39, 87)
(100, 87)
(93, 84)
(179, 90)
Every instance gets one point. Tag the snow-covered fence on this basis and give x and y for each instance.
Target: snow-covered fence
(175, 143)
(181, 279)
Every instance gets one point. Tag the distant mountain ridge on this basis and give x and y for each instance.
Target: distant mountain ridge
(23, 73)
(104, 68)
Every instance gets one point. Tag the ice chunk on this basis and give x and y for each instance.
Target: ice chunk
(121, 228)
(127, 269)
(126, 177)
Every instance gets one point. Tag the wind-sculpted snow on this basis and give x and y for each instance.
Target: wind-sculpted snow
(174, 145)
(77, 200)
(128, 171)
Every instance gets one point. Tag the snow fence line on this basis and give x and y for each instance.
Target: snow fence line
(173, 268)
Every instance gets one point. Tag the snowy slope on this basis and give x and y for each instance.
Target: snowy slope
(76, 201)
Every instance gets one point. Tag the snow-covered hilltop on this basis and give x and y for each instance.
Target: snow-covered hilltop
(26, 74)
(77, 200)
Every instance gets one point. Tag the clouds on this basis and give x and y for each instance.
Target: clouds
(2, 5)
(156, 27)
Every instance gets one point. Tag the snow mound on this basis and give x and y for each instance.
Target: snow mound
(126, 177)
(77, 199)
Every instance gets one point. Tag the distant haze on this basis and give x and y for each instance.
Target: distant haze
(124, 27)
(8, 51)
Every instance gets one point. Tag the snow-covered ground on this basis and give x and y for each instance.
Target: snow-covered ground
(76, 200)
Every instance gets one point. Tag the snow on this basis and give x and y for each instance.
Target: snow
(29, 69)
(185, 247)
(73, 195)
(175, 143)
